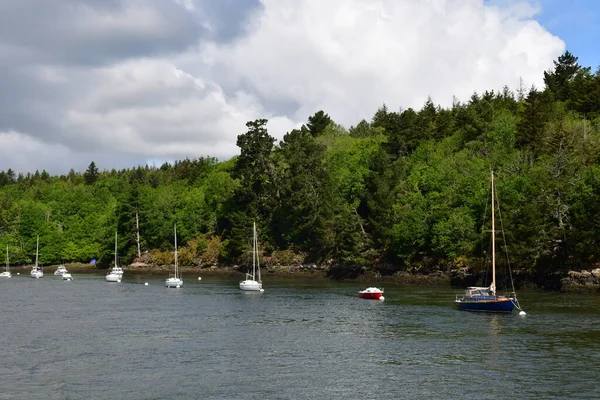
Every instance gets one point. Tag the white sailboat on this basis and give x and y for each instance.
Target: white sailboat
(36, 271)
(6, 274)
(251, 284)
(115, 274)
(175, 280)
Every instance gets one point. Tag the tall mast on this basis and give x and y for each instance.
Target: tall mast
(254, 251)
(37, 249)
(176, 276)
(493, 287)
(257, 261)
(115, 249)
(137, 226)
(7, 257)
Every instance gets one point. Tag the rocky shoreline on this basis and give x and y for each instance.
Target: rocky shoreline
(581, 281)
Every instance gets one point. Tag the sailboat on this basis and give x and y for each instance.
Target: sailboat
(485, 299)
(6, 274)
(36, 271)
(176, 279)
(251, 284)
(115, 274)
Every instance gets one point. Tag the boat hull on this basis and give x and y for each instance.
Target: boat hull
(493, 306)
(251, 286)
(5, 274)
(37, 274)
(174, 283)
(371, 296)
(113, 278)
(67, 276)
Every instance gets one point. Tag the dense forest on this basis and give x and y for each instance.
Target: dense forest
(405, 191)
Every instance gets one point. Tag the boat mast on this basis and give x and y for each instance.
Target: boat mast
(257, 261)
(137, 225)
(254, 251)
(176, 275)
(7, 257)
(115, 249)
(493, 287)
(37, 249)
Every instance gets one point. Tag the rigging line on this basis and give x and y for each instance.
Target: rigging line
(484, 220)
(485, 250)
(486, 260)
(512, 283)
(505, 247)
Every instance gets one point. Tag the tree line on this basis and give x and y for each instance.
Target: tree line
(406, 190)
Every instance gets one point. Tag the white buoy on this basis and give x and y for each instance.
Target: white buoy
(18, 273)
(146, 284)
(262, 290)
(119, 281)
(382, 298)
(199, 278)
(177, 286)
(522, 313)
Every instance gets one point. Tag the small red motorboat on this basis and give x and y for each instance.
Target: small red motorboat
(372, 293)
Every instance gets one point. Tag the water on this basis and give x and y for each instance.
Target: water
(88, 339)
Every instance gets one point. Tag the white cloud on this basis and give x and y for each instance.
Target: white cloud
(348, 57)
(296, 57)
(151, 108)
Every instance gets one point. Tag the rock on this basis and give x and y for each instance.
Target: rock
(584, 281)
(139, 264)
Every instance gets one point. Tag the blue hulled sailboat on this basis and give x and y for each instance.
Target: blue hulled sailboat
(485, 299)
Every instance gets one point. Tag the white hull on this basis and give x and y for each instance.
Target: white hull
(59, 271)
(251, 286)
(174, 283)
(5, 274)
(67, 276)
(113, 277)
(37, 274)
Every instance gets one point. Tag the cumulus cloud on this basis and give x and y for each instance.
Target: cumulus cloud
(349, 57)
(124, 82)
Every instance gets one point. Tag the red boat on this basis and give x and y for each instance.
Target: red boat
(372, 293)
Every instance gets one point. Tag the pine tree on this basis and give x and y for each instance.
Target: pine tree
(91, 175)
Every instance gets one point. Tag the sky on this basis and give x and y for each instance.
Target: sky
(135, 82)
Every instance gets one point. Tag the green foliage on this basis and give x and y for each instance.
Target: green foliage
(407, 188)
(318, 123)
(558, 80)
(91, 175)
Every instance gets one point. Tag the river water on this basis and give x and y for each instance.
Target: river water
(301, 339)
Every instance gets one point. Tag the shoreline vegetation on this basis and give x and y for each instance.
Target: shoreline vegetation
(400, 197)
(583, 281)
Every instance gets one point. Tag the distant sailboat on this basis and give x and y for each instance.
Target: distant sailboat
(485, 299)
(115, 274)
(6, 274)
(37, 271)
(251, 283)
(176, 279)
